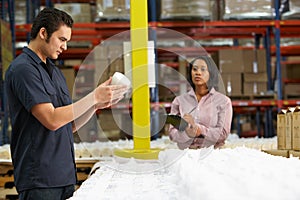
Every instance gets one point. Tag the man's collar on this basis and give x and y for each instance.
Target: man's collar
(32, 54)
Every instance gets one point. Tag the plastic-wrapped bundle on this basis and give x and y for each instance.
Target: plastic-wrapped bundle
(294, 10)
(185, 9)
(112, 10)
(80, 12)
(248, 9)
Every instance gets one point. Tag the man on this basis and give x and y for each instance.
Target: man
(42, 115)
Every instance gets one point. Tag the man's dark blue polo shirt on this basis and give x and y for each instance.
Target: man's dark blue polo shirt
(42, 158)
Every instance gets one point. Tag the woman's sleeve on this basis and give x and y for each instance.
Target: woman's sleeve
(181, 138)
(220, 132)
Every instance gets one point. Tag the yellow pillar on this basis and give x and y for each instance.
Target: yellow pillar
(140, 95)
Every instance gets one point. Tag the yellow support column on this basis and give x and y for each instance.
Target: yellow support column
(140, 95)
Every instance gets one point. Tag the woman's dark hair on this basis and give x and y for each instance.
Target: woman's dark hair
(213, 81)
(51, 19)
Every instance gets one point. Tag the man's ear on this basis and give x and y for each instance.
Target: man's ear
(43, 33)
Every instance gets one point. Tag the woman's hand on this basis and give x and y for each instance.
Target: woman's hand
(192, 130)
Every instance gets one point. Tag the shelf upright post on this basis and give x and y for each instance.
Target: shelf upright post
(2, 10)
(11, 14)
(36, 4)
(154, 97)
(278, 52)
(28, 17)
(268, 113)
(48, 3)
(267, 45)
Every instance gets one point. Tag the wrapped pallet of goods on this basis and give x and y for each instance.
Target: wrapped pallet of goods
(80, 12)
(185, 9)
(293, 10)
(248, 9)
(112, 10)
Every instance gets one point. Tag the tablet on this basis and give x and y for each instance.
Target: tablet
(177, 121)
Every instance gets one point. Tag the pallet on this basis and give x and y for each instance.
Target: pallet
(8, 194)
(292, 96)
(83, 168)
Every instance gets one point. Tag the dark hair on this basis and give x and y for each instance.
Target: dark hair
(51, 19)
(213, 81)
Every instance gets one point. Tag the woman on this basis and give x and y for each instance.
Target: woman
(208, 111)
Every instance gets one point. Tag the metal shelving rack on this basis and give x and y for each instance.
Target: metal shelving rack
(256, 29)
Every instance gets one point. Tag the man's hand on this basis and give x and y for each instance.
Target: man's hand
(106, 95)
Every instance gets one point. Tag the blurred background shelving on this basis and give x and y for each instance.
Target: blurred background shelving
(268, 27)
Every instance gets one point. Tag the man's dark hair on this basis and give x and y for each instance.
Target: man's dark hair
(51, 19)
(213, 81)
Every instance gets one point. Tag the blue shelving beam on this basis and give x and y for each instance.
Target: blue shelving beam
(278, 52)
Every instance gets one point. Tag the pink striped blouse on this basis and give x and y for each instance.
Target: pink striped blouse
(213, 115)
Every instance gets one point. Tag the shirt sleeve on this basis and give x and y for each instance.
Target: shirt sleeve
(180, 137)
(219, 132)
(29, 87)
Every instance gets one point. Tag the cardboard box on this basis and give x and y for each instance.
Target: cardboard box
(256, 61)
(116, 66)
(289, 128)
(256, 77)
(281, 129)
(109, 120)
(294, 153)
(296, 129)
(69, 74)
(232, 83)
(102, 71)
(254, 88)
(242, 60)
(231, 61)
(100, 52)
(290, 71)
(115, 51)
(73, 62)
(277, 152)
(291, 89)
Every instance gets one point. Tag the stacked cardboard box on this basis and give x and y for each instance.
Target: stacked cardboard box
(231, 68)
(243, 71)
(290, 71)
(288, 130)
(108, 59)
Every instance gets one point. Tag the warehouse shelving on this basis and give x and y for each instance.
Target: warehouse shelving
(196, 30)
(253, 29)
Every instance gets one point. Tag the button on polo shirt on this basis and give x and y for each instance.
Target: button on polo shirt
(41, 157)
